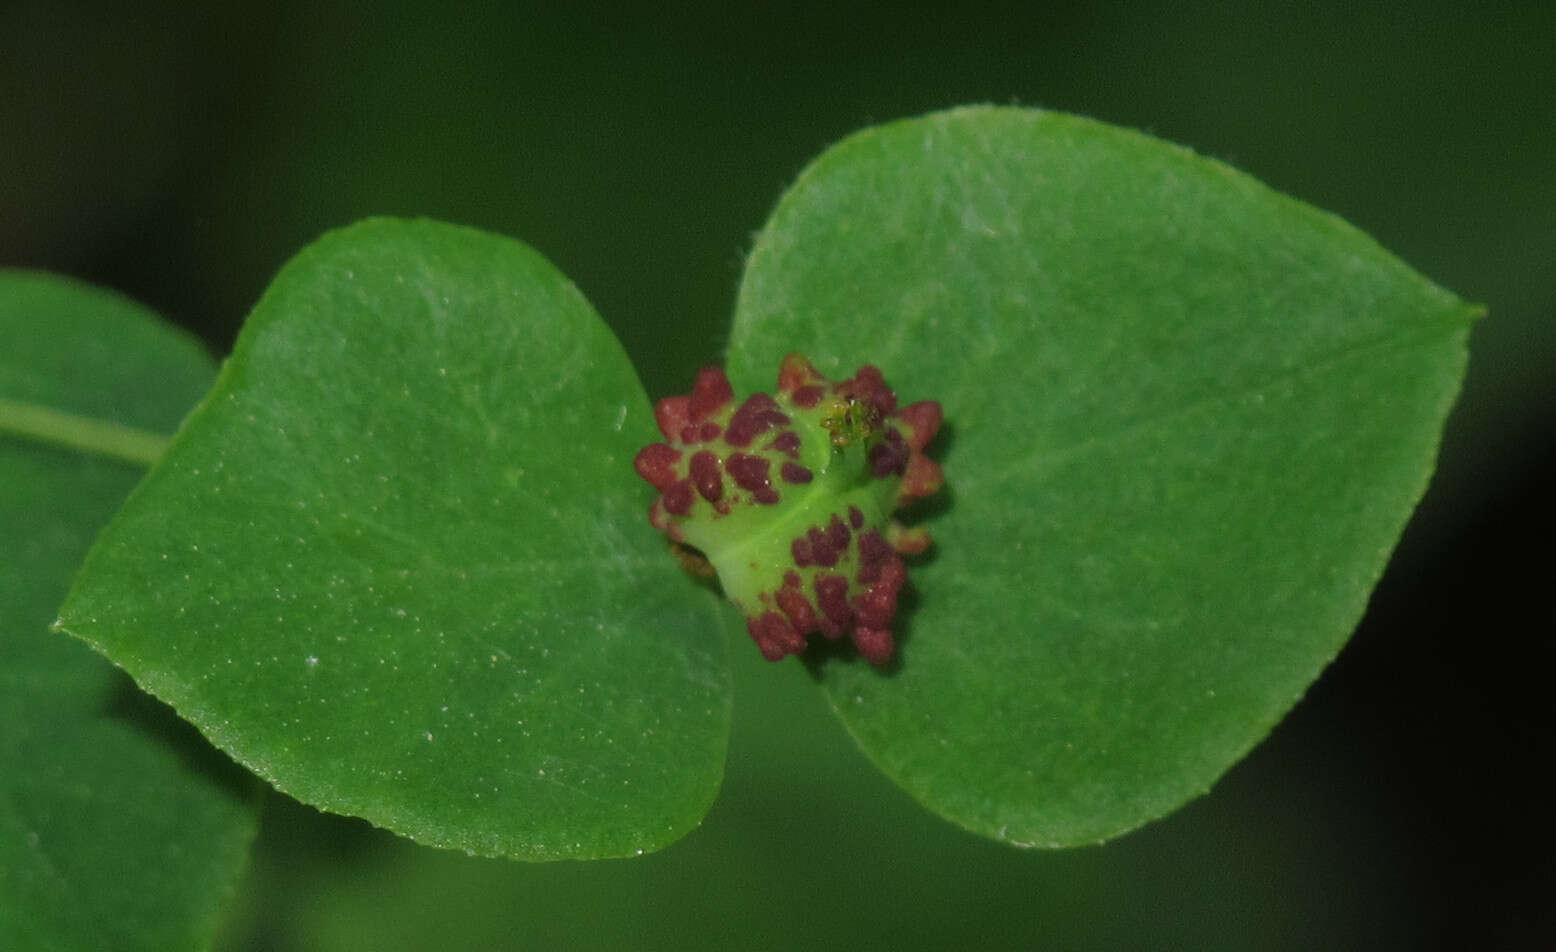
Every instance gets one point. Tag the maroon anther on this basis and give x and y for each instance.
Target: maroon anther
(874, 644)
(795, 473)
(837, 533)
(832, 596)
(748, 472)
(656, 464)
(923, 419)
(807, 397)
(774, 636)
(876, 607)
(869, 386)
(874, 553)
(709, 392)
(822, 551)
(889, 456)
(755, 416)
(678, 498)
(794, 604)
(706, 475)
(921, 477)
(705, 432)
(800, 551)
(787, 443)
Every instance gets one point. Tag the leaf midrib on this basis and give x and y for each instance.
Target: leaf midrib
(45, 424)
(1053, 456)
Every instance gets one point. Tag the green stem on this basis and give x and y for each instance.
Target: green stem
(81, 433)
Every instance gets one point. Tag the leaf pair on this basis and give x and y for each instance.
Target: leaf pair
(397, 561)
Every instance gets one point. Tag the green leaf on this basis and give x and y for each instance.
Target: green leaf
(1187, 420)
(119, 828)
(398, 563)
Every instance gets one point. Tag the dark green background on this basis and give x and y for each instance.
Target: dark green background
(181, 154)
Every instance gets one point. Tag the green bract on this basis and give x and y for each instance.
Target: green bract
(1191, 417)
(393, 564)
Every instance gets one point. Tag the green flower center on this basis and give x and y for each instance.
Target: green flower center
(789, 499)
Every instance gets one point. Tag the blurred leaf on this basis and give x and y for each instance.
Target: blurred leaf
(1188, 419)
(394, 563)
(118, 828)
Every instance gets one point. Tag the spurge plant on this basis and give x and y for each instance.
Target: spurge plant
(394, 560)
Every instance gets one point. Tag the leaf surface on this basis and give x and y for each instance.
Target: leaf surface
(397, 562)
(119, 828)
(1187, 419)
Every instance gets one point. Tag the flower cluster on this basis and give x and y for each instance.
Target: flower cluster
(789, 498)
